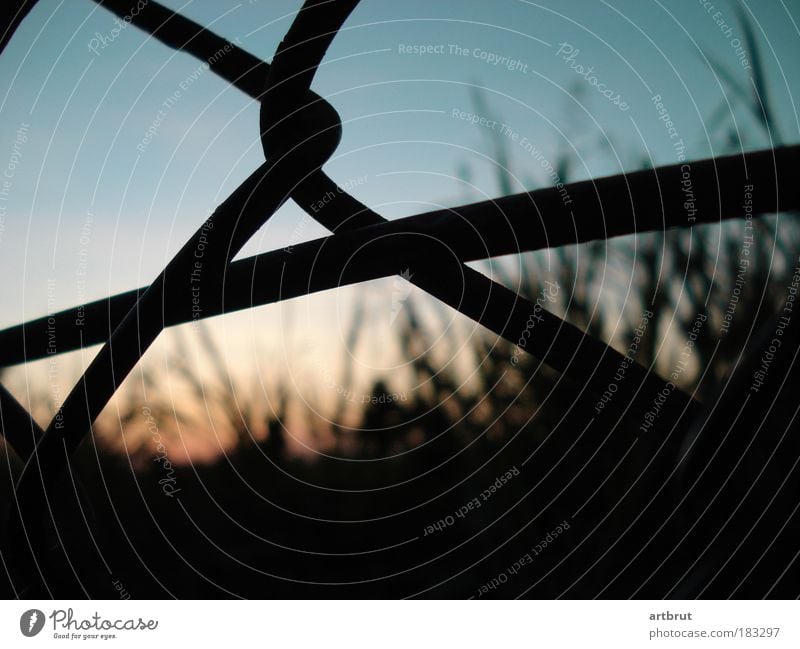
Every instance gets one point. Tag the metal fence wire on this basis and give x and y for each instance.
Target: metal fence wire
(300, 131)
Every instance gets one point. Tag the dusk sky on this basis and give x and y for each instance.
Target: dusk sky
(96, 206)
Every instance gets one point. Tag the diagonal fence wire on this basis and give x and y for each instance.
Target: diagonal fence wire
(222, 235)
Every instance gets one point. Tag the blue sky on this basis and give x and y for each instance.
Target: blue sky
(93, 214)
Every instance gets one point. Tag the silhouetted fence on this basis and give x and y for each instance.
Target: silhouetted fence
(300, 131)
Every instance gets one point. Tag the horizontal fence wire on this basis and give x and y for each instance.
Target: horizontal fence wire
(470, 233)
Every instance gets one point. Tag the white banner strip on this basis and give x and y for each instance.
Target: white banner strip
(386, 625)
